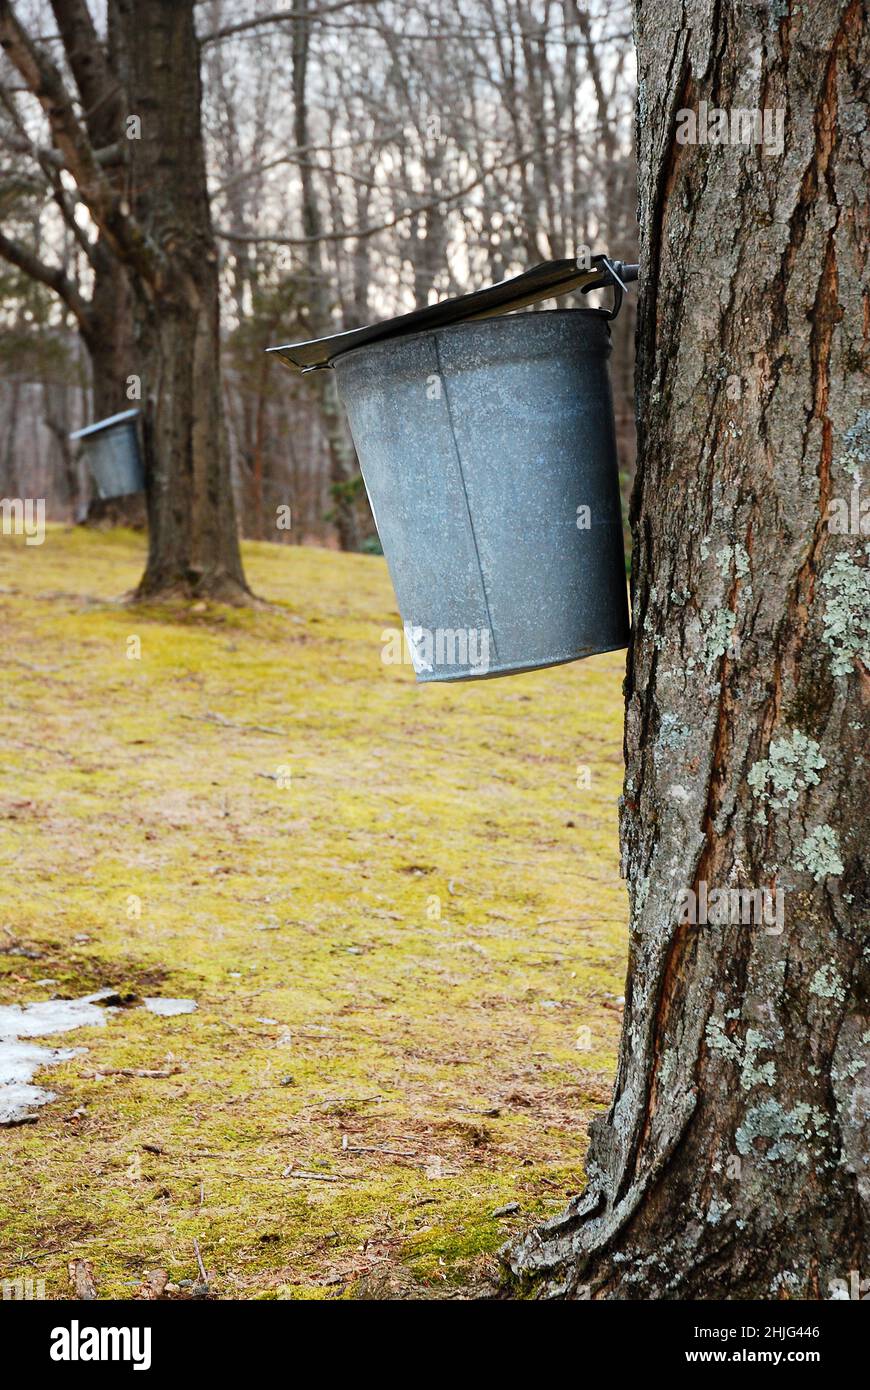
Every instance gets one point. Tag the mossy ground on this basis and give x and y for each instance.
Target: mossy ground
(291, 816)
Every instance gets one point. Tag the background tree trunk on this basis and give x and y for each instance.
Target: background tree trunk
(57, 418)
(193, 544)
(345, 477)
(732, 1162)
(109, 341)
(108, 329)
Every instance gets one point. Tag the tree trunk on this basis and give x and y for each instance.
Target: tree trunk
(56, 414)
(345, 479)
(109, 341)
(193, 544)
(9, 482)
(732, 1161)
(108, 330)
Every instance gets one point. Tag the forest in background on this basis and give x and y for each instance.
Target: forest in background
(364, 157)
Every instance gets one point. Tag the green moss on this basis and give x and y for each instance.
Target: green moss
(147, 845)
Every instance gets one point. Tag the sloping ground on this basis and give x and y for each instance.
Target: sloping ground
(398, 913)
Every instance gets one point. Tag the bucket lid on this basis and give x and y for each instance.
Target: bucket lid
(542, 281)
(106, 424)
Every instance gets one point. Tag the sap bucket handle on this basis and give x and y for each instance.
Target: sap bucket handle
(544, 281)
(619, 276)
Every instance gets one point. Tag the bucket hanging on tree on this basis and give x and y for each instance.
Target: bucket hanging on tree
(113, 455)
(488, 450)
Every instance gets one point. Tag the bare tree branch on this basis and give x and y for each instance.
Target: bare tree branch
(292, 157)
(51, 276)
(281, 17)
(96, 83)
(44, 80)
(106, 157)
(393, 221)
(49, 163)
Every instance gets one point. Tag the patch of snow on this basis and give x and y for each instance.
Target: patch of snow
(52, 1016)
(167, 1008)
(20, 1061)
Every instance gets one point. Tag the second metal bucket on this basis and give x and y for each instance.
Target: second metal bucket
(113, 455)
(488, 452)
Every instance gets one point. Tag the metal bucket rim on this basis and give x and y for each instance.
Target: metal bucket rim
(508, 668)
(107, 425)
(494, 319)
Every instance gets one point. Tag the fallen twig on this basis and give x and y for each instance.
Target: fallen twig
(376, 1149)
(337, 1100)
(221, 719)
(150, 1073)
(291, 1172)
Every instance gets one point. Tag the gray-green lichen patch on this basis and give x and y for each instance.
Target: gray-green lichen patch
(736, 555)
(787, 1130)
(779, 10)
(744, 1053)
(856, 447)
(846, 612)
(820, 853)
(792, 765)
(827, 983)
(751, 1074)
(851, 1070)
(718, 632)
(718, 1040)
(717, 1210)
(672, 737)
(641, 893)
(787, 1280)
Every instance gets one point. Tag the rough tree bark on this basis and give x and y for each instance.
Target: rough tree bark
(343, 467)
(732, 1162)
(193, 544)
(108, 337)
(56, 414)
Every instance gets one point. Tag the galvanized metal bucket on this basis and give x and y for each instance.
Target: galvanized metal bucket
(487, 446)
(113, 454)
